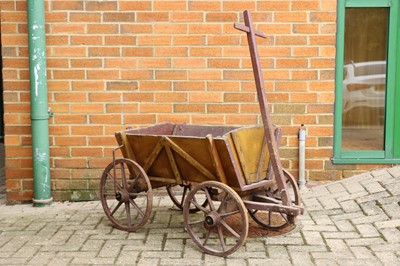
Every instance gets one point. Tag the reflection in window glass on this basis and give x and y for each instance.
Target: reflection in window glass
(364, 79)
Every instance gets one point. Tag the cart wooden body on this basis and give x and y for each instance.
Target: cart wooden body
(224, 172)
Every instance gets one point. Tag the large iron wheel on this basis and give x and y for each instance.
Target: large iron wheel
(178, 193)
(276, 220)
(126, 194)
(214, 229)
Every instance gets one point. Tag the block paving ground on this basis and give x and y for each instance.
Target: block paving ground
(352, 222)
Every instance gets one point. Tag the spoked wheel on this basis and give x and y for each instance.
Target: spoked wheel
(178, 193)
(126, 194)
(276, 220)
(222, 226)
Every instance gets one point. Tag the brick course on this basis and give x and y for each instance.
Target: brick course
(113, 64)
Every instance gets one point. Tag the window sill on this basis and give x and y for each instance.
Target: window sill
(364, 161)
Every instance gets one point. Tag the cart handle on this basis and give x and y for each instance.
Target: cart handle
(262, 100)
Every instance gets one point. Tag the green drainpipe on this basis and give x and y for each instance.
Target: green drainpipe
(39, 106)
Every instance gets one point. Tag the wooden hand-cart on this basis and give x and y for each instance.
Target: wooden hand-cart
(215, 174)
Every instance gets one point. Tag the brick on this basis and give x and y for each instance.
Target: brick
(152, 16)
(291, 63)
(171, 74)
(186, 63)
(189, 108)
(70, 28)
(118, 17)
(104, 52)
(101, 6)
(135, 5)
(207, 74)
(205, 6)
(171, 97)
(293, 16)
(205, 97)
(291, 40)
(120, 40)
(83, 17)
(207, 119)
(186, 16)
(171, 51)
(102, 29)
(136, 28)
(171, 29)
(273, 5)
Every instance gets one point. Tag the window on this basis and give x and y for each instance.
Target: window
(366, 116)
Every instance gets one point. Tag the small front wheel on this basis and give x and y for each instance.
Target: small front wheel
(178, 193)
(221, 227)
(275, 221)
(126, 194)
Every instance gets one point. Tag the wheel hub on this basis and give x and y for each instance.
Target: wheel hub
(122, 196)
(212, 219)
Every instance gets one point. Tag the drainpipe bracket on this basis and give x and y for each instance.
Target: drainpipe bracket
(42, 201)
(41, 117)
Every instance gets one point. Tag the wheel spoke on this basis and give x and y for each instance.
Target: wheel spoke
(221, 238)
(269, 218)
(207, 237)
(229, 213)
(222, 205)
(196, 222)
(136, 207)
(116, 208)
(115, 181)
(128, 213)
(230, 229)
(123, 176)
(185, 189)
(284, 217)
(209, 199)
(198, 206)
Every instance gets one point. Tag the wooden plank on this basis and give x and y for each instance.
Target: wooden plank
(216, 159)
(190, 160)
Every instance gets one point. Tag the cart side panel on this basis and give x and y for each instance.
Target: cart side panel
(251, 153)
(233, 173)
(149, 154)
(193, 159)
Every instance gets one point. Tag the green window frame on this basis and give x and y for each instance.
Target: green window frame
(391, 152)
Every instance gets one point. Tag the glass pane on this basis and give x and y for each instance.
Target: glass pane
(364, 78)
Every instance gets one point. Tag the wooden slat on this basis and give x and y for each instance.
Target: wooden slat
(190, 159)
(216, 159)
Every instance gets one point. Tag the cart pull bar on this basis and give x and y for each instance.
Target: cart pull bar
(248, 29)
(262, 100)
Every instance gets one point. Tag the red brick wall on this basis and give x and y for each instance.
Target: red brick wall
(113, 64)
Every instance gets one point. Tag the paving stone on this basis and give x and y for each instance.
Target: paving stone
(392, 235)
(277, 252)
(370, 219)
(388, 224)
(325, 262)
(340, 235)
(362, 252)
(301, 258)
(336, 188)
(344, 226)
(392, 210)
(313, 238)
(373, 197)
(367, 230)
(263, 262)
